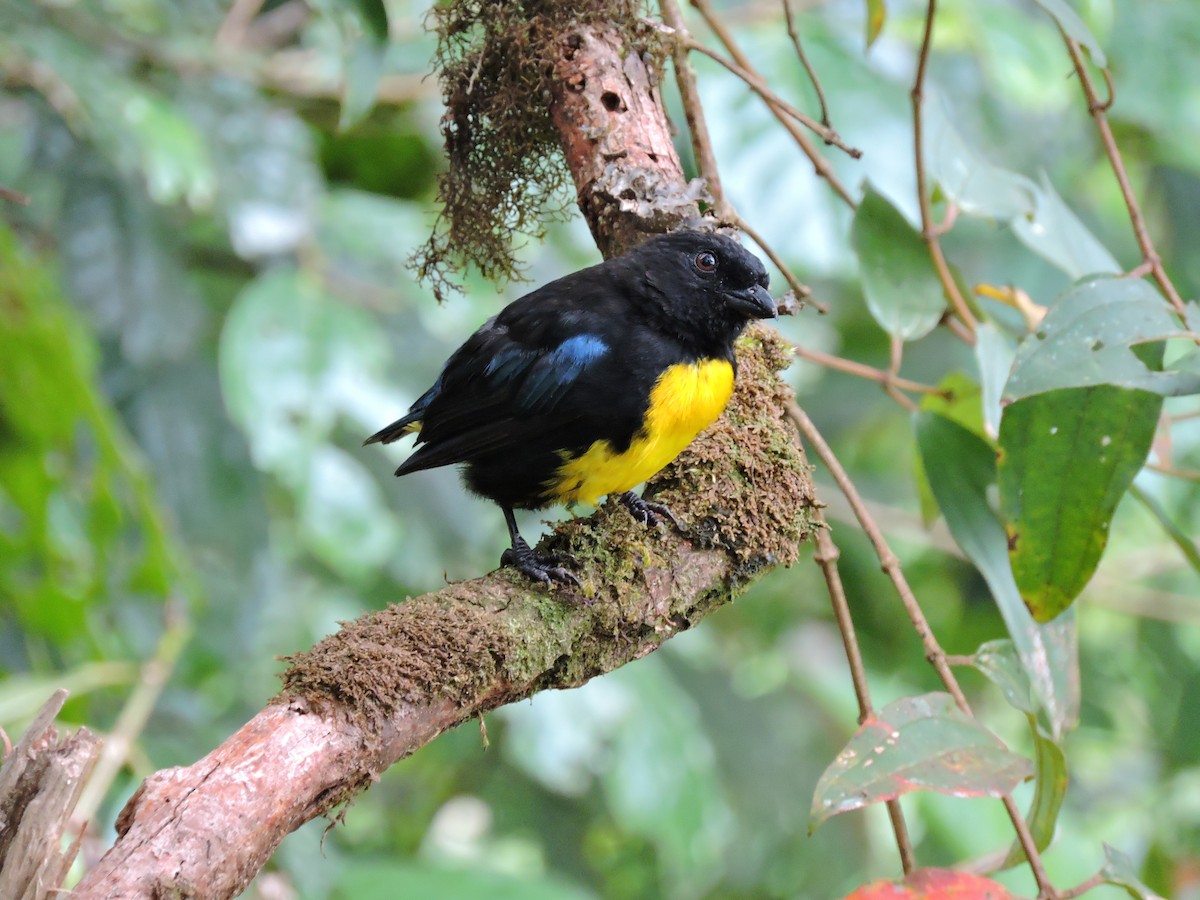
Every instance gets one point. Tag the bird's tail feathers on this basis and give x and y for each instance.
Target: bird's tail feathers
(409, 424)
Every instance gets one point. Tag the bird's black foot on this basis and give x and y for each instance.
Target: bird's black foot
(546, 568)
(646, 512)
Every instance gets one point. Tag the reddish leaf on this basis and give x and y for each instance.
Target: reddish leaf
(934, 884)
(917, 743)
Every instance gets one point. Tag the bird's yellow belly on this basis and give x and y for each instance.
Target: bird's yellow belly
(686, 399)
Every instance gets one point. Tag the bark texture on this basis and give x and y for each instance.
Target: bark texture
(40, 783)
(391, 681)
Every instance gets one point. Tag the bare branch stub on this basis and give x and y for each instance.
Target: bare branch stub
(617, 142)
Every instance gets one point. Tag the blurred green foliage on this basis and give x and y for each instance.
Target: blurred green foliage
(206, 305)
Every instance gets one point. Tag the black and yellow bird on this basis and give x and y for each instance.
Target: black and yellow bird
(591, 384)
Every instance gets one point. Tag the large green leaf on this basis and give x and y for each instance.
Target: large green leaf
(1056, 234)
(976, 185)
(917, 743)
(961, 468)
(899, 281)
(1066, 459)
(1088, 338)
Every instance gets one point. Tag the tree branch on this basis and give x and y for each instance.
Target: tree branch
(393, 680)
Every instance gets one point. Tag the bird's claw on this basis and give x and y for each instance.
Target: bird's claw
(647, 512)
(547, 568)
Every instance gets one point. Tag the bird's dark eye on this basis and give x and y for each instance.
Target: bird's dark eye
(706, 261)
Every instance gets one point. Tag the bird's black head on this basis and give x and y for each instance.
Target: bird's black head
(701, 288)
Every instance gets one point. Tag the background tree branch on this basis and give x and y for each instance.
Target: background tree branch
(391, 681)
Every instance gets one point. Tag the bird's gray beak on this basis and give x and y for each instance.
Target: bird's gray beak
(754, 302)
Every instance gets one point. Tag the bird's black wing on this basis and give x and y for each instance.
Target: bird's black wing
(535, 371)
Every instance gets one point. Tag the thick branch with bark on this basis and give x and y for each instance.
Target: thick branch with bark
(391, 681)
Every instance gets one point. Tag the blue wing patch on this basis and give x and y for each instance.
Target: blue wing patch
(553, 373)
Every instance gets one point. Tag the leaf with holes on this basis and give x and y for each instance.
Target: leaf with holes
(933, 884)
(900, 284)
(1101, 332)
(1066, 459)
(917, 743)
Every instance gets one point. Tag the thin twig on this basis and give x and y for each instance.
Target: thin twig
(893, 372)
(933, 650)
(826, 556)
(862, 370)
(693, 111)
(1173, 472)
(1098, 109)
(760, 87)
(820, 163)
(812, 74)
(7, 193)
(929, 231)
(1083, 887)
(803, 291)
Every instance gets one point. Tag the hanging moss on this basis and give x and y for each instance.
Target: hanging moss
(505, 175)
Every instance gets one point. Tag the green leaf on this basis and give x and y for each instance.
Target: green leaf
(977, 186)
(1073, 26)
(1055, 233)
(917, 743)
(1066, 459)
(961, 468)
(963, 405)
(1088, 338)
(1050, 790)
(998, 660)
(363, 67)
(876, 19)
(1119, 870)
(373, 14)
(900, 284)
(994, 354)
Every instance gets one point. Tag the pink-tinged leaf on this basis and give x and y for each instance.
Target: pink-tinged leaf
(934, 884)
(913, 744)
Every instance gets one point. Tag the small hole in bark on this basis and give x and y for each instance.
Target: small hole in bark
(611, 101)
(653, 157)
(628, 194)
